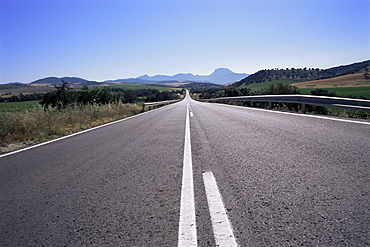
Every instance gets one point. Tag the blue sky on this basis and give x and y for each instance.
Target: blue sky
(110, 39)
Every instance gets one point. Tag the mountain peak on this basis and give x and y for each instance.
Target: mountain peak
(221, 72)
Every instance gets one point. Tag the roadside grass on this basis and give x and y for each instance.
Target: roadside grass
(28, 127)
(18, 106)
(347, 113)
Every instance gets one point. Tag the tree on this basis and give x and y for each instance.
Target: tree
(231, 92)
(97, 95)
(129, 96)
(60, 98)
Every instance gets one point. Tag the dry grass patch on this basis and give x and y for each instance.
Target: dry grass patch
(18, 129)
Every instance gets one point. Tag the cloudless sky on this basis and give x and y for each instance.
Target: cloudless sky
(111, 39)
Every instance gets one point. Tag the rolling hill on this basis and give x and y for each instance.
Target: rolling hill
(301, 75)
(74, 81)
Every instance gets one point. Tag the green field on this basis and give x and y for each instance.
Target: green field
(18, 106)
(343, 91)
(259, 86)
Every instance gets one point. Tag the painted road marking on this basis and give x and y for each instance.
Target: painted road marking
(222, 229)
(187, 225)
(191, 112)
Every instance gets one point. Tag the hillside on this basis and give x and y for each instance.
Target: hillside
(305, 74)
(351, 80)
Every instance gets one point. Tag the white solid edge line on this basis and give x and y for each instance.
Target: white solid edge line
(77, 133)
(295, 114)
(222, 228)
(187, 223)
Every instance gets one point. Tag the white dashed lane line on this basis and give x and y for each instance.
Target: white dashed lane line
(187, 224)
(222, 229)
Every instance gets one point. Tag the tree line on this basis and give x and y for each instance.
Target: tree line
(64, 96)
(22, 97)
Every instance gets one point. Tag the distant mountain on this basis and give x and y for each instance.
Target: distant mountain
(131, 80)
(17, 83)
(219, 76)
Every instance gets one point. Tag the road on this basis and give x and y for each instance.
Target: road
(282, 179)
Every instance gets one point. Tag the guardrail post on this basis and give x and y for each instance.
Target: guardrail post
(270, 105)
(251, 103)
(143, 107)
(303, 108)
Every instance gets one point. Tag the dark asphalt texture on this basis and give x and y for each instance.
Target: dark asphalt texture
(285, 181)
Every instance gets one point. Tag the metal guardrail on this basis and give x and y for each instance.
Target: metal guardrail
(345, 103)
(154, 104)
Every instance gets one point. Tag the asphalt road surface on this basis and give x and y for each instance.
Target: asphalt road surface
(249, 177)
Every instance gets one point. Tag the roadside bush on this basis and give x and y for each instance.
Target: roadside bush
(323, 92)
(278, 88)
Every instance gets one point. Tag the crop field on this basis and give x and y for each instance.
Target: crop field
(10, 90)
(352, 80)
(344, 86)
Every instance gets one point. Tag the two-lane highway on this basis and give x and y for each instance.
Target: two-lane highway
(282, 179)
